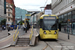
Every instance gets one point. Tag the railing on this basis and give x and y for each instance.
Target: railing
(16, 34)
(9, 40)
(31, 34)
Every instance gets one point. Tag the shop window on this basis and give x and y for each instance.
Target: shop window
(73, 17)
(61, 18)
(73, 13)
(69, 15)
(65, 16)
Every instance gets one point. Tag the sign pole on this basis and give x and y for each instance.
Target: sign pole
(68, 29)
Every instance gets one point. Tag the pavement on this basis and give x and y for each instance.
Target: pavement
(23, 34)
(64, 36)
(3, 34)
(40, 46)
(56, 45)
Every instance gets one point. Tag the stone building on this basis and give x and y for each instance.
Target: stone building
(2, 10)
(65, 10)
(9, 13)
(13, 8)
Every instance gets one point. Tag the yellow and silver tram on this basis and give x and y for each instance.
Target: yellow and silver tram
(48, 27)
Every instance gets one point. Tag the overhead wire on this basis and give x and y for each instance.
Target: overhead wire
(45, 2)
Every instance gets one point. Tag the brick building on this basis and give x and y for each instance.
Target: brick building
(48, 6)
(13, 6)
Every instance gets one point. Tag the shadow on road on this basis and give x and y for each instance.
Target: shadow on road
(48, 40)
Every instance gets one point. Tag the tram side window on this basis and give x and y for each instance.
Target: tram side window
(41, 23)
(38, 23)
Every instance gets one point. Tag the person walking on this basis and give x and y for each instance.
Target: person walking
(25, 24)
(0, 28)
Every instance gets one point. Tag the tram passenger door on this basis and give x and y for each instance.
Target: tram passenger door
(73, 28)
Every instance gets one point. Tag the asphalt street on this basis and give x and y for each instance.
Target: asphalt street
(3, 34)
(47, 45)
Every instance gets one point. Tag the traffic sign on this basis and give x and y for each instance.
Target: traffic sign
(27, 14)
(68, 20)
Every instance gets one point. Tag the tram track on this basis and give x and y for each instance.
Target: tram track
(57, 45)
(52, 48)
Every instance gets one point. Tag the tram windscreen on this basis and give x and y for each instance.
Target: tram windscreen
(49, 24)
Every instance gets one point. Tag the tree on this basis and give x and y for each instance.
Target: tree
(3, 22)
(21, 22)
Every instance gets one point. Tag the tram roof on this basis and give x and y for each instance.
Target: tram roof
(47, 15)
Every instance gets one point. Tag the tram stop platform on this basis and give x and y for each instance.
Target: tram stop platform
(19, 38)
(27, 39)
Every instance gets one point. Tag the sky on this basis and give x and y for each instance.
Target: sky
(31, 5)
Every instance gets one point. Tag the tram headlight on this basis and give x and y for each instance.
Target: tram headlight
(55, 32)
(44, 32)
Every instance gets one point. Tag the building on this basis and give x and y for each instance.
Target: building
(20, 14)
(9, 13)
(48, 6)
(13, 8)
(65, 10)
(34, 16)
(2, 10)
(38, 15)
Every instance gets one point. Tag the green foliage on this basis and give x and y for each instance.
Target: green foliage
(11, 4)
(3, 22)
(21, 22)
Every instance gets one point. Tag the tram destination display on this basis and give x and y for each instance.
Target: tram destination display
(49, 18)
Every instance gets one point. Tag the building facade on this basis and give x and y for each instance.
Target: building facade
(20, 13)
(9, 13)
(2, 10)
(65, 10)
(13, 8)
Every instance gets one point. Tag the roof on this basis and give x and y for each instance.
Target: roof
(47, 15)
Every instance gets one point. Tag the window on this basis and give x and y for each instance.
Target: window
(73, 13)
(8, 5)
(65, 16)
(8, 14)
(8, 9)
(69, 15)
(0, 2)
(60, 18)
(8, 19)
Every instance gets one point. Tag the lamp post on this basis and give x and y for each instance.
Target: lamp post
(41, 8)
(68, 26)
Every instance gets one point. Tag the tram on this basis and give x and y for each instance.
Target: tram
(48, 27)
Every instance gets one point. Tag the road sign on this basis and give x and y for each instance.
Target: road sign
(28, 15)
(68, 20)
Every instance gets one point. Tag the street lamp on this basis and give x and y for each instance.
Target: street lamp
(41, 8)
(68, 26)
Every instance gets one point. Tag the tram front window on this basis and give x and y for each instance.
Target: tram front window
(49, 25)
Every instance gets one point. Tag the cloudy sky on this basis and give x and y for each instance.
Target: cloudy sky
(31, 5)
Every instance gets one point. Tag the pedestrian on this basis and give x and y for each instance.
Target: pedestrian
(0, 28)
(65, 28)
(25, 28)
(28, 26)
(8, 28)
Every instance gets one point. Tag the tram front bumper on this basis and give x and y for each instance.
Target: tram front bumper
(49, 37)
